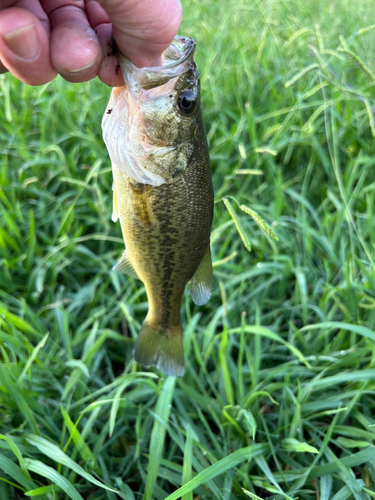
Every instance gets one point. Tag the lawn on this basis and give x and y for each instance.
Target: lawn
(278, 398)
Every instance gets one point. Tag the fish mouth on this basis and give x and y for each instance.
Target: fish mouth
(178, 52)
(177, 59)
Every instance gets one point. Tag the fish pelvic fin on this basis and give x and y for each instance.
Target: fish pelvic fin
(141, 205)
(115, 212)
(202, 281)
(125, 266)
(160, 347)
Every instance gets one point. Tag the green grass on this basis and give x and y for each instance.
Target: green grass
(278, 400)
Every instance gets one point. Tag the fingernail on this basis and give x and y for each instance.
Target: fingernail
(23, 42)
(82, 69)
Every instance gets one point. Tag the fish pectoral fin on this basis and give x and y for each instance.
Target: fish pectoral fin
(115, 203)
(125, 266)
(201, 282)
(141, 205)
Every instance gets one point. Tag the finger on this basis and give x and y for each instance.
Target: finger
(32, 6)
(95, 13)
(7, 3)
(109, 71)
(24, 46)
(2, 68)
(143, 30)
(75, 49)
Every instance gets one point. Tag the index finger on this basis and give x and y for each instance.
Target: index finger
(143, 29)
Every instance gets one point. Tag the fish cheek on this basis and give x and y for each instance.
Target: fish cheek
(160, 125)
(173, 136)
(164, 124)
(179, 159)
(171, 163)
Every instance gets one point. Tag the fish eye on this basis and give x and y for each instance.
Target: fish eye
(186, 102)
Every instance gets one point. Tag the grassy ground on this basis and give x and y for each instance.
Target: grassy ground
(278, 396)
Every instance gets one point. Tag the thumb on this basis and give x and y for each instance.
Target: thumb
(143, 29)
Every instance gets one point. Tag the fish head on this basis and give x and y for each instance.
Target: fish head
(155, 121)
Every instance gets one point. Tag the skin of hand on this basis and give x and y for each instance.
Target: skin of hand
(41, 38)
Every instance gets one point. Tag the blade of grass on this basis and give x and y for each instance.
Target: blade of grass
(219, 468)
(15, 472)
(162, 410)
(238, 224)
(43, 470)
(53, 452)
(187, 469)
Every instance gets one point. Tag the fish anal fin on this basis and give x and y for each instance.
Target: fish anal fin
(125, 266)
(115, 203)
(201, 282)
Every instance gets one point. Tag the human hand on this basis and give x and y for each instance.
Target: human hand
(40, 38)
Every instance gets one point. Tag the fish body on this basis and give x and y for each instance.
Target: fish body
(162, 194)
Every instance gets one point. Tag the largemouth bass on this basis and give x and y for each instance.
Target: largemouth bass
(162, 194)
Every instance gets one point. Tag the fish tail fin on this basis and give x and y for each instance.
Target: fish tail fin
(161, 347)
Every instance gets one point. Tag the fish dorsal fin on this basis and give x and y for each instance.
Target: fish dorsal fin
(201, 282)
(125, 266)
(115, 203)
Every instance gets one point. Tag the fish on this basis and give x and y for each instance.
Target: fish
(162, 194)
